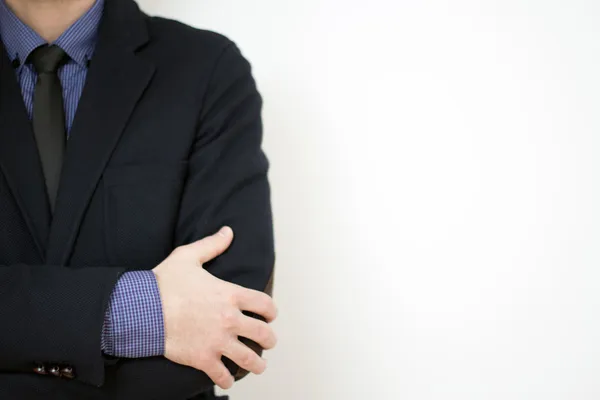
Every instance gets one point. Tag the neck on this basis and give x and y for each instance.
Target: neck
(49, 18)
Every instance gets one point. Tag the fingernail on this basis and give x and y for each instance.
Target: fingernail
(224, 231)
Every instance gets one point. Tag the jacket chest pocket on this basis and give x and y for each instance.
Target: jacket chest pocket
(141, 203)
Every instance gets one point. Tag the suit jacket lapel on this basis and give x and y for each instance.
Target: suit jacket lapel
(115, 82)
(19, 157)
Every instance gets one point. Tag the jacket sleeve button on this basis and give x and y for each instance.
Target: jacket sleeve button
(40, 369)
(67, 372)
(54, 370)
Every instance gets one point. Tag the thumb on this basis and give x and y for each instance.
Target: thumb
(213, 246)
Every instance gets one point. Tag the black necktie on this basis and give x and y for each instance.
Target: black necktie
(49, 115)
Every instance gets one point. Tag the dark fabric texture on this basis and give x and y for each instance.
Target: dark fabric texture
(164, 150)
(48, 115)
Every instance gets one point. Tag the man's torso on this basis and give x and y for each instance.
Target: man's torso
(125, 169)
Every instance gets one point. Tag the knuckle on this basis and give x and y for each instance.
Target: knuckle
(263, 334)
(234, 296)
(223, 343)
(223, 375)
(247, 360)
(266, 302)
(229, 319)
(222, 381)
(266, 299)
(257, 298)
(202, 360)
(215, 243)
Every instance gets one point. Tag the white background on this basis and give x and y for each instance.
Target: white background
(436, 188)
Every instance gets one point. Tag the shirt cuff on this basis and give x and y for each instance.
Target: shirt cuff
(133, 322)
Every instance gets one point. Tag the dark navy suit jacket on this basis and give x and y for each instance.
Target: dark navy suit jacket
(165, 149)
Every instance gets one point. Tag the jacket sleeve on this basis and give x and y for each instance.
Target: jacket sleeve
(228, 182)
(226, 185)
(53, 316)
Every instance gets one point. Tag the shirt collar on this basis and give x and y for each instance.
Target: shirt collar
(79, 41)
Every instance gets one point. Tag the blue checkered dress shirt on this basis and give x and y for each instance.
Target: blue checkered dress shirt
(133, 324)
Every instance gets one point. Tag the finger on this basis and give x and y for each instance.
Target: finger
(257, 302)
(213, 246)
(220, 375)
(258, 331)
(246, 358)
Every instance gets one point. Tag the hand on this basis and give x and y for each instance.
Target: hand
(203, 314)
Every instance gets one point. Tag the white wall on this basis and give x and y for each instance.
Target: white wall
(436, 187)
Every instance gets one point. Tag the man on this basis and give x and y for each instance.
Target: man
(126, 142)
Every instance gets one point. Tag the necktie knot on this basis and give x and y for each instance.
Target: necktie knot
(48, 59)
